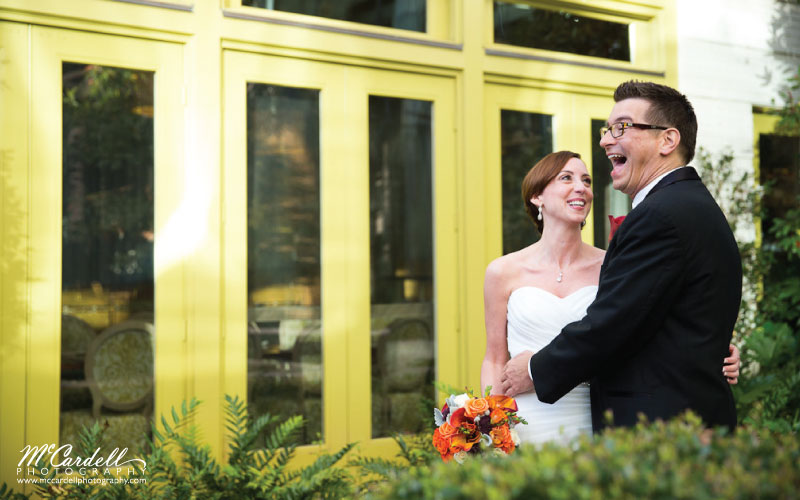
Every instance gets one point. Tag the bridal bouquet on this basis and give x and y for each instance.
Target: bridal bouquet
(471, 425)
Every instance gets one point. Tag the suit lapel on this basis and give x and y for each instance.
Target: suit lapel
(681, 174)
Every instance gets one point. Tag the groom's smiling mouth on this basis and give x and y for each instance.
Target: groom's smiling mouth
(617, 161)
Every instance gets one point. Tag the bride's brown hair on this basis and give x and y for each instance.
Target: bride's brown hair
(539, 176)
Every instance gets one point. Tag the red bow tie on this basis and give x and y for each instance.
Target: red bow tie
(615, 223)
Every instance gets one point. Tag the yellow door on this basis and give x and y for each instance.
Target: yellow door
(96, 326)
(340, 243)
(524, 124)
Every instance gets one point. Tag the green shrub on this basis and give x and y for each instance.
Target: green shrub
(768, 393)
(679, 459)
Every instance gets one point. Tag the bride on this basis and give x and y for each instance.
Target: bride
(531, 294)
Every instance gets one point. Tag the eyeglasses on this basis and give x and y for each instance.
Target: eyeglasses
(617, 129)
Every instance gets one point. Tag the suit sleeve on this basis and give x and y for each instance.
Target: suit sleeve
(641, 276)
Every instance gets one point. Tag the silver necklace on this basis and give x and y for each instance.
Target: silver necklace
(560, 275)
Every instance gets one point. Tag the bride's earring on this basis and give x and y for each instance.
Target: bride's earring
(539, 217)
(583, 223)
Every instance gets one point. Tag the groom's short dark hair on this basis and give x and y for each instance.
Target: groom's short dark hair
(668, 108)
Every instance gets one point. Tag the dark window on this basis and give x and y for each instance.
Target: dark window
(401, 261)
(402, 14)
(560, 31)
(607, 200)
(779, 165)
(284, 331)
(107, 253)
(525, 139)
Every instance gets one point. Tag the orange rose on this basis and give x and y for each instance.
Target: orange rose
(476, 407)
(498, 416)
(501, 438)
(442, 445)
(447, 430)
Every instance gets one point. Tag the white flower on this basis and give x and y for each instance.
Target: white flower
(514, 436)
(460, 456)
(499, 452)
(459, 401)
(477, 419)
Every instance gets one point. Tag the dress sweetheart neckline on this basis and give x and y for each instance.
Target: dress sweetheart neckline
(550, 293)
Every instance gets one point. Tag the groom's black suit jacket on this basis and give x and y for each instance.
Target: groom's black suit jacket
(653, 340)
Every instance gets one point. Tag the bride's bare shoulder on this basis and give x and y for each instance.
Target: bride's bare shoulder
(507, 266)
(596, 255)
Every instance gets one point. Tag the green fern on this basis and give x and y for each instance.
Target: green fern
(415, 451)
(180, 467)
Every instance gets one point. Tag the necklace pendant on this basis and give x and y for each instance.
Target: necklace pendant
(560, 274)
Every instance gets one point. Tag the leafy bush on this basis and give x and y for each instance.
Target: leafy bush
(179, 467)
(678, 459)
(769, 390)
(415, 450)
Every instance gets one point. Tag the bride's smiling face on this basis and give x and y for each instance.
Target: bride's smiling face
(568, 196)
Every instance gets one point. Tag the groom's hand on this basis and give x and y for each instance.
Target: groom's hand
(515, 379)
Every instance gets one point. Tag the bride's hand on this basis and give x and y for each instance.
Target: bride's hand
(730, 368)
(515, 379)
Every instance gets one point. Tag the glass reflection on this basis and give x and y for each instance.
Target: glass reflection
(107, 253)
(607, 200)
(284, 346)
(779, 169)
(525, 138)
(402, 14)
(527, 26)
(401, 239)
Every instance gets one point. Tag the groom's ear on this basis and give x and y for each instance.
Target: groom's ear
(670, 139)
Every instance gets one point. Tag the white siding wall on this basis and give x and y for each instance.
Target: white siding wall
(733, 55)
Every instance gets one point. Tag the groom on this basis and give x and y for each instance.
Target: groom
(670, 285)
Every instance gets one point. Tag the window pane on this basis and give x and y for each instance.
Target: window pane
(779, 166)
(527, 26)
(284, 337)
(525, 139)
(607, 200)
(107, 253)
(403, 14)
(401, 238)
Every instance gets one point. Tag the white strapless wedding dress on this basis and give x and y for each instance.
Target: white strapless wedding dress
(535, 317)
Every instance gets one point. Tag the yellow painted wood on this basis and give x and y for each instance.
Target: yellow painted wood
(203, 53)
(204, 278)
(653, 48)
(337, 253)
(109, 16)
(472, 200)
(440, 92)
(763, 123)
(14, 245)
(345, 222)
(51, 47)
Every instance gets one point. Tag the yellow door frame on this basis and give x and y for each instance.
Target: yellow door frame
(35, 332)
(345, 238)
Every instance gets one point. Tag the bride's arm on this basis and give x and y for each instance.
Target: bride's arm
(495, 303)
